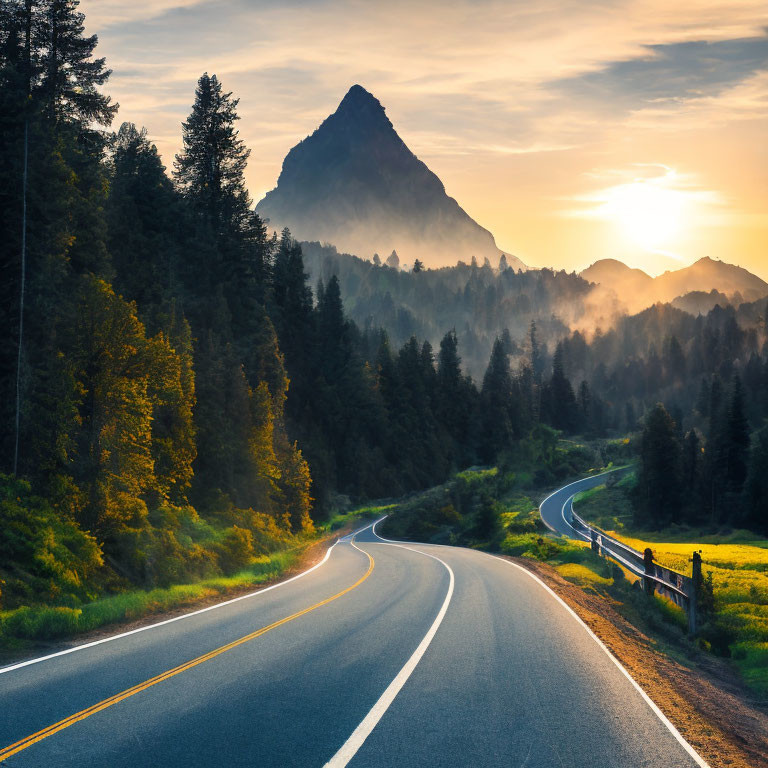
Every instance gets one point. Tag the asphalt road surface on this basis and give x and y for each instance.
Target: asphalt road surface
(556, 509)
(383, 655)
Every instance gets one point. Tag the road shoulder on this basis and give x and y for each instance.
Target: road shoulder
(706, 703)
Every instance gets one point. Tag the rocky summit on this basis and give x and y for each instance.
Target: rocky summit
(355, 183)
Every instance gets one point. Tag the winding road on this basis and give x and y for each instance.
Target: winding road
(385, 654)
(557, 509)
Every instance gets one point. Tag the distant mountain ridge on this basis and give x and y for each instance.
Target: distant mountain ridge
(355, 183)
(637, 290)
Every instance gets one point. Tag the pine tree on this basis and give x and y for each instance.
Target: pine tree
(14, 84)
(703, 398)
(715, 404)
(537, 363)
(736, 440)
(145, 219)
(424, 456)
(296, 485)
(727, 450)
(495, 405)
(561, 400)
(585, 407)
(691, 474)
(231, 250)
(450, 396)
(755, 500)
(210, 169)
(292, 313)
(674, 361)
(112, 459)
(171, 389)
(260, 482)
(334, 330)
(51, 167)
(660, 470)
(69, 75)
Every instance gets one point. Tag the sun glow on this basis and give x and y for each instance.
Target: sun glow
(648, 214)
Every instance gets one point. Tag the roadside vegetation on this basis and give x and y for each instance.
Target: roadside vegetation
(495, 507)
(735, 568)
(70, 612)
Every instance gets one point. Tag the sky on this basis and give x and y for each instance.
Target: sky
(573, 130)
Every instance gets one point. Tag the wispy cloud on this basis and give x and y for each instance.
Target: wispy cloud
(672, 73)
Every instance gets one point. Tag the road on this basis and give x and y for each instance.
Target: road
(556, 509)
(384, 655)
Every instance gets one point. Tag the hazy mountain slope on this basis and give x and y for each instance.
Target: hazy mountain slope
(478, 302)
(356, 184)
(635, 290)
(611, 272)
(700, 302)
(707, 274)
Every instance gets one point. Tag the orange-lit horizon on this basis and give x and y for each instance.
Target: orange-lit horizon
(571, 131)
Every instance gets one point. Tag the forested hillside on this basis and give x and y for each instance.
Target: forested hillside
(481, 302)
(176, 395)
(477, 301)
(698, 389)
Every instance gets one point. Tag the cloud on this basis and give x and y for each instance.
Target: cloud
(672, 73)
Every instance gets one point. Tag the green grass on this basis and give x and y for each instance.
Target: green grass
(340, 519)
(49, 623)
(20, 626)
(473, 474)
(737, 560)
(582, 575)
(608, 507)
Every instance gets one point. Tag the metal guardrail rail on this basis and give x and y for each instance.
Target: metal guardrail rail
(678, 587)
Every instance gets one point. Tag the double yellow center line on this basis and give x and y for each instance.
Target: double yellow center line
(28, 741)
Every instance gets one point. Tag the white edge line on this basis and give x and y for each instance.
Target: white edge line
(664, 719)
(360, 734)
(565, 519)
(121, 635)
(575, 482)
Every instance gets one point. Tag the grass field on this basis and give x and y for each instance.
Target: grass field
(737, 561)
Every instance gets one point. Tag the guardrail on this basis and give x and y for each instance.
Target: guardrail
(678, 587)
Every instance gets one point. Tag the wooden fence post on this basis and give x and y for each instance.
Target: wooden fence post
(695, 586)
(650, 569)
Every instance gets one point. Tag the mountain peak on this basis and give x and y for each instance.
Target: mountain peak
(357, 96)
(355, 183)
(360, 108)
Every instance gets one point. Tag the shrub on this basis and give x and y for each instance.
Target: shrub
(44, 555)
(235, 550)
(41, 623)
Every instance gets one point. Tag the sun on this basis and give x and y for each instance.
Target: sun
(648, 214)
